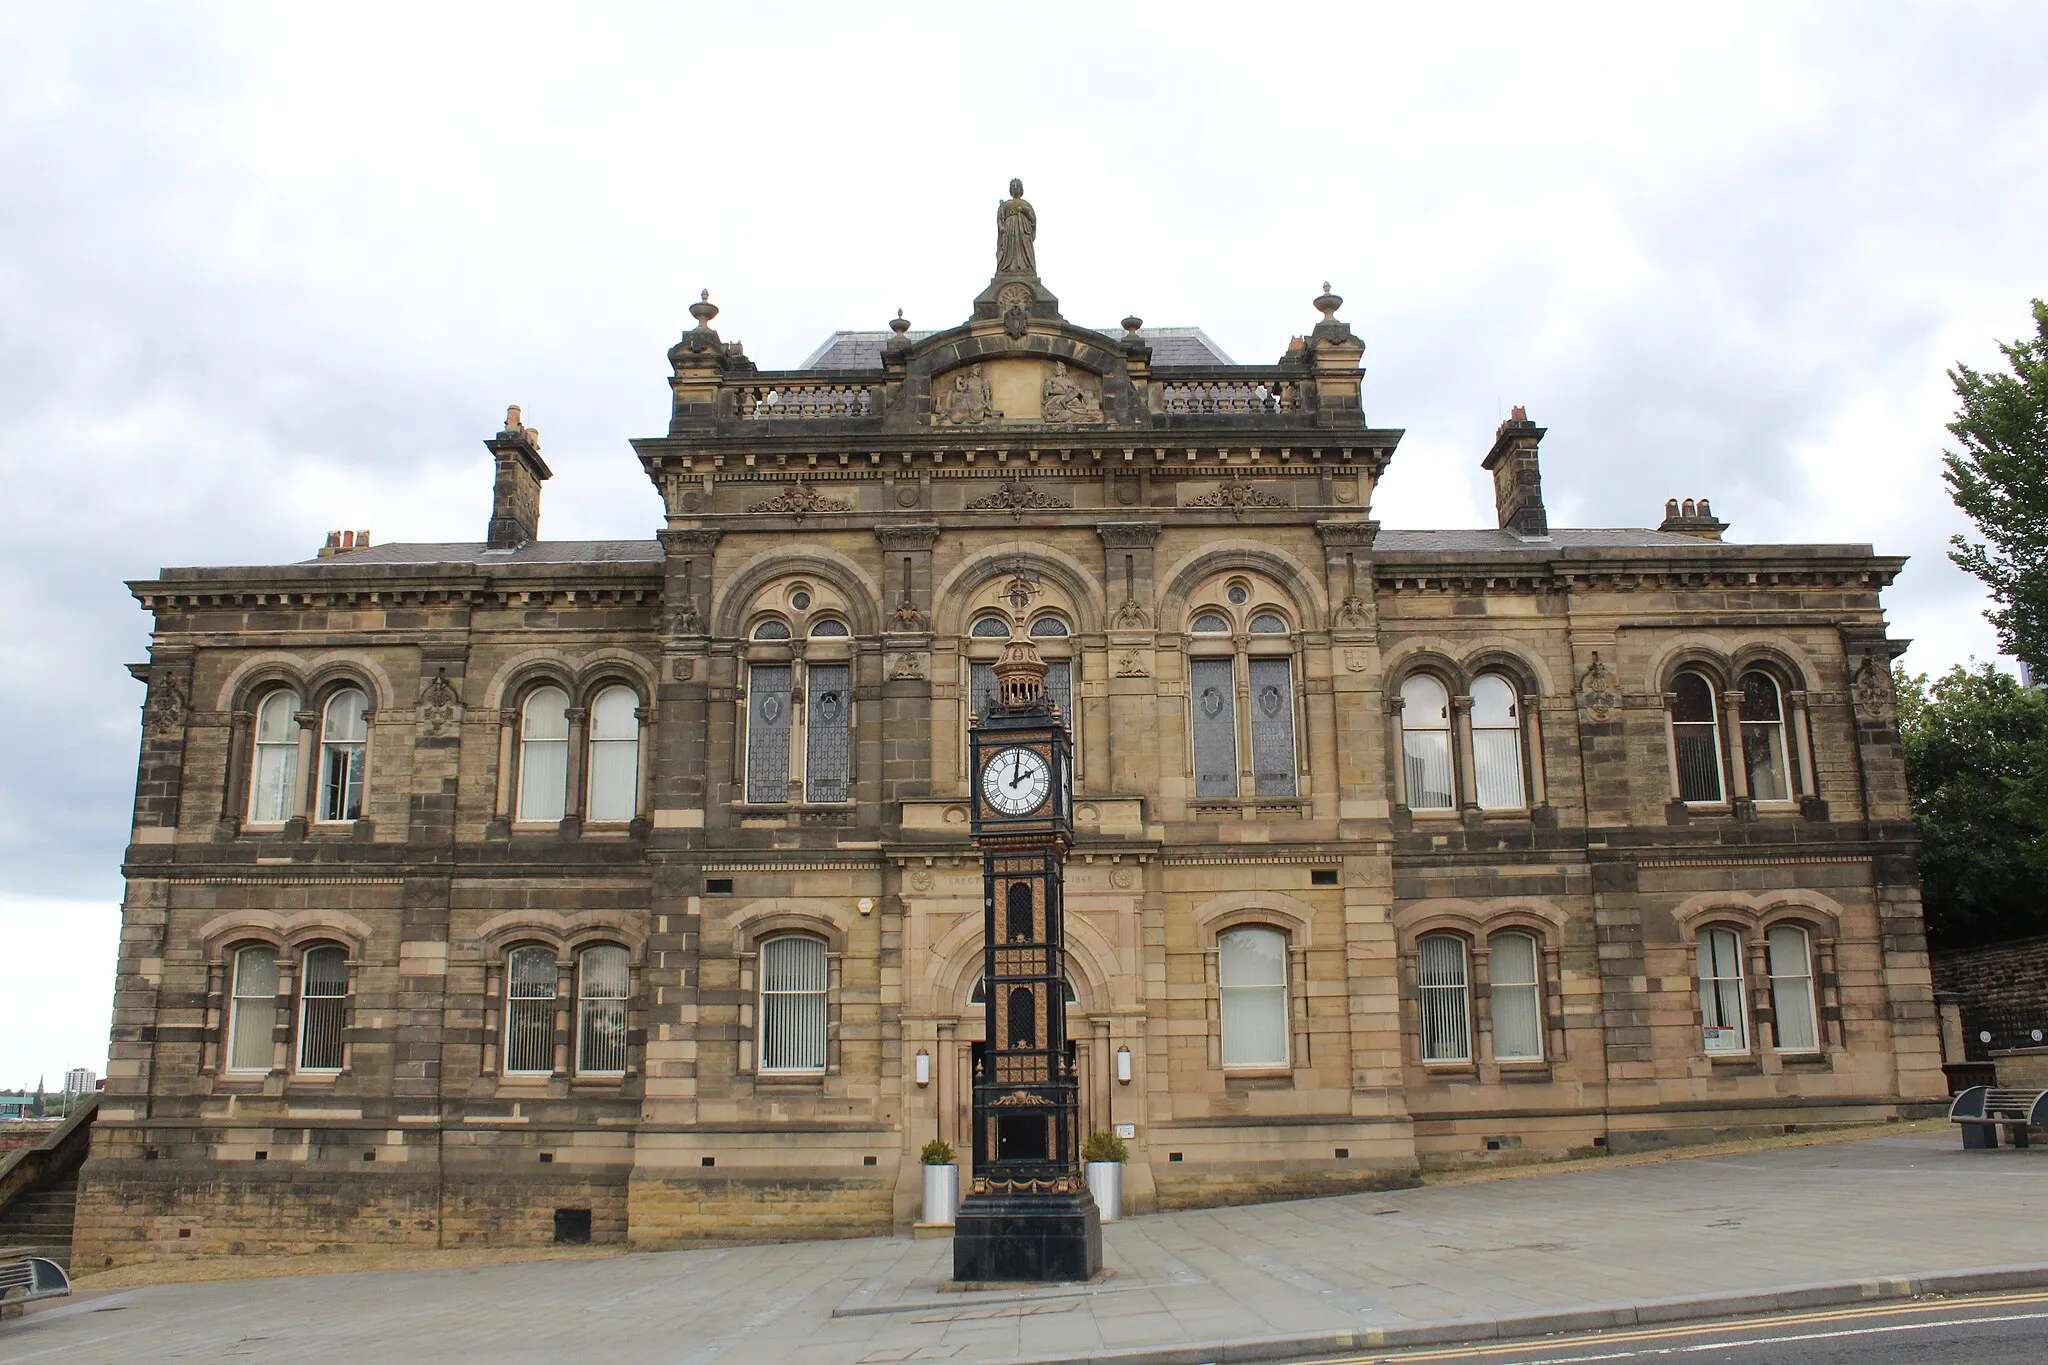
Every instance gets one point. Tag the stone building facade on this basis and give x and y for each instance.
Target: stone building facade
(496, 892)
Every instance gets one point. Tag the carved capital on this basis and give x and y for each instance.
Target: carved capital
(1127, 535)
(914, 536)
(1358, 535)
(694, 540)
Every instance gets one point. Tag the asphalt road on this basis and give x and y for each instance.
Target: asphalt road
(1992, 1329)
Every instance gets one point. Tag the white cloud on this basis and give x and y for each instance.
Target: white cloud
(56, 987)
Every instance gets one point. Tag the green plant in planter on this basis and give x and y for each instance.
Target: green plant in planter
(937, 1152)
(1104, 1146)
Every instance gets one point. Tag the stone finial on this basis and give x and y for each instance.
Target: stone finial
(1132, 325)
(704, 310)
(1327, 303)
(1330, 329)
(899, 324)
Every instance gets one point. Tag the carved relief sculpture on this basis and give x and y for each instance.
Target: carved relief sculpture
(1064, 399)
(1018, 497)
(1236, 495)
(438, 705)
(800, 499)
(1597, 693)
(965, 401)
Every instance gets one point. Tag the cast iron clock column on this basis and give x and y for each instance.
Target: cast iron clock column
(1028, 1214)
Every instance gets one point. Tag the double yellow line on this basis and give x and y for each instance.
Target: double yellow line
(1622, 1337)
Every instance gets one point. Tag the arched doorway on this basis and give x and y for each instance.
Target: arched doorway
(956, 1117)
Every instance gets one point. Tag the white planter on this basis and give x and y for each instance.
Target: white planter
(1106, 1184)
(941, 1194)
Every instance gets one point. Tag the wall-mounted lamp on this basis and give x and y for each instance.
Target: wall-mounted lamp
(1123, 1066)
(866, 905)
(924, 1068)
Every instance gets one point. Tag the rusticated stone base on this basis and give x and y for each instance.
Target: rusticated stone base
(679, 1210)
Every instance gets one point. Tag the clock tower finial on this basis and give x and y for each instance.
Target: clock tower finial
(1020, 676)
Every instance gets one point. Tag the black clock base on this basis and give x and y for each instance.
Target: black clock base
(1035, 1238)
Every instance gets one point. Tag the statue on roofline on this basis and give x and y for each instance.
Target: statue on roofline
(1016, 231)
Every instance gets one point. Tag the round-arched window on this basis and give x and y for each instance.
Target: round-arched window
(1210, 623)
(1269, 623)
(1048, 626)
(771, 629)
(829, 629)
(1426, 742)
(990, 628)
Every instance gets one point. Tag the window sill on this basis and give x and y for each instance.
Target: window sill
(1280, 1072)
(1451, 1071)
(1524, 1069)
(810, 1080)
(525, 1080)
(1804, 1060)
(598, 1080)
(320, 1078)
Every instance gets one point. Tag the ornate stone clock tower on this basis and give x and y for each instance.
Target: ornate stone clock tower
(1028, 1215)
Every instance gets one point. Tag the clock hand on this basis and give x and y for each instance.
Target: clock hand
(1017, 769)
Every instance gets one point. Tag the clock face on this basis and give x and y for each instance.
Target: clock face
(1016, 781)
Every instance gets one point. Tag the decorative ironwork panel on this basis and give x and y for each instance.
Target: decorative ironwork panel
(828, 741)
(1273, 756)
(1059, 689)
(1214, 695)
(768, 689)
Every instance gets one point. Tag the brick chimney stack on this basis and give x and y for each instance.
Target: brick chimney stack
(515, 501)
(1517, 481)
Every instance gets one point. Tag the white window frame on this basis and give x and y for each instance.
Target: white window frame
(1498, 991)
(352, 780)
(1436, 999)
(286, 751)
(618, 747)
(514, 1003)
(1806, 987)
(1446, 730)
(304, 1031)
(1516, 746)
(588, 1004)
(1781, 746)
(772, 1026)
(1720, 948)
(241, 1003)
(1713, 727)
(532, 804)
(1267, 994)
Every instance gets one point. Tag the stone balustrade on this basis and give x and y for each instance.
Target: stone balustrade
(1228, 395)
(807, 401)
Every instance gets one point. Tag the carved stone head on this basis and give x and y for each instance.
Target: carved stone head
(1016, 189)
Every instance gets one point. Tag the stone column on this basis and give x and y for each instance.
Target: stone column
(1532, 726)
(1738, 770)
(579, 748)
(1465, 779)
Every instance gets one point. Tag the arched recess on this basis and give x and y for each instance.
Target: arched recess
(736, 594)
(948, 350)
(1776, 654)
(1754, 912)
(953, 596)
(287, 931)
(1277, 908)
(1476, 918)
(1430, 654)
(309, 675)
(1310, 603)
(565, 930)
(1091, 960)
(607, 667)
(1507, 655)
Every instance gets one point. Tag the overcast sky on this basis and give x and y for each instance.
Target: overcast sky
(266, 272)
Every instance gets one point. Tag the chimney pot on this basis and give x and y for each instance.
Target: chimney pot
(1670, 508)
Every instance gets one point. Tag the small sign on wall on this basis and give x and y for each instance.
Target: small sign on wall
(1127, 1130)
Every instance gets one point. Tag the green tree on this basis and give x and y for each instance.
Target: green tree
(2000, 479)
(1976, 747)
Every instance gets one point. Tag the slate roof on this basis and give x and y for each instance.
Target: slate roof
(1170, 346)
(1560, 538)
(533, 552)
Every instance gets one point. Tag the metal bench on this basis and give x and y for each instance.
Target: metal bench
(1983, 1109)
(31, 1278)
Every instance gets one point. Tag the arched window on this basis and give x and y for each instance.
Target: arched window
(1722, 1016)
(252, 1010)
(1794, 1018)
(344, 744)
(323, 1000)
(1763, 738)
(1212, 706)
(1426, 742)
(828, 629)
(614, 754)
(1272, 698)
(1020, 914)
(793, 1004)
(530, 1011)
(769, 692)
(544, 755)
(772, 629)
(1515, 988)
(1496, 744)
(990, 628)
(1022, 1023)
(1210, 623)
(978, 995)
(828, 734)
(1252, 997)
(1048, 627)
(1446, 1005)
(602, 974)
(274, 767)
(1269, 623)
(1696, 739)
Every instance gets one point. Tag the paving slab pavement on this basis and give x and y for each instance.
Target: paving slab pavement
(1587, 1246)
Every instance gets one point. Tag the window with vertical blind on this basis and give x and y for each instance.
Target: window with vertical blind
(1515, 987)
(323, 1000)
(344, 755)
(1426, 743)
(793, 984)
(1696, 739)
(1445, 1001)
(602, 975)
(1723, 1016)
(1212, 698)
(1497, 780)
(828, 732)
(1795, 1020)
(530, 1011)
(274, 765)
(1764, 751)
(252, 1009)
(768, 716)
(1252, 991)
(543, 755)
(614, 785)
